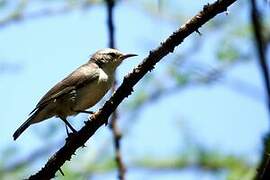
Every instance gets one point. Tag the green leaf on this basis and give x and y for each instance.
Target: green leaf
(228, 53)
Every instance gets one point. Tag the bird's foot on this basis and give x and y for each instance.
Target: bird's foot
(68, 125)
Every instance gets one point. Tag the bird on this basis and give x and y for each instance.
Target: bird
(79, 91)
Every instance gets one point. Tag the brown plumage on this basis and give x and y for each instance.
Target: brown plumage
(80, 90)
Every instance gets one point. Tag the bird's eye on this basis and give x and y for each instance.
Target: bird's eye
(112, 55)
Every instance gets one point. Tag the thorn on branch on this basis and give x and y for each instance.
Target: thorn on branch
(205, 7)
(151, 68)
(60, 170)
(197, 31)
(129, 92)
(83, 146)
(171, 49)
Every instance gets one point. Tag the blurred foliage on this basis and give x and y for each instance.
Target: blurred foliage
(209, 160)
(20, 10)
(228, 53)
(181, 78)
(2, 3)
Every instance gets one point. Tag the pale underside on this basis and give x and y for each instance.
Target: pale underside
(81, 90)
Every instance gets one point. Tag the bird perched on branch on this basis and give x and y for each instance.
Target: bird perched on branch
(80, 90)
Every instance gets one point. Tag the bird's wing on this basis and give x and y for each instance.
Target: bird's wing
(73, 81)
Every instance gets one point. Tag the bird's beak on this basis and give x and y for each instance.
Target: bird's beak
(127, 56)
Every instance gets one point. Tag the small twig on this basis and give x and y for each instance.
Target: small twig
(61, 171)
(125, 89)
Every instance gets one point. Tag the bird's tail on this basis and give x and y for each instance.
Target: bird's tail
(24, 126)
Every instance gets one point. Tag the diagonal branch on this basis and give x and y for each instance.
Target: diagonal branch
(125, 89)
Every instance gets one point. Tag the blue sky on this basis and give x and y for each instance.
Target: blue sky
(49, 48)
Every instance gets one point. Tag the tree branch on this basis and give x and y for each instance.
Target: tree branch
(113, 125)
(264, 167)
(110, 8)
(125, 89)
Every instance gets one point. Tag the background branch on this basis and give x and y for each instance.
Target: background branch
(18, 14)
(125, 89)
(264, 167)
(113, 124)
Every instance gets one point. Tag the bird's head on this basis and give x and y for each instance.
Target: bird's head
(109, 58)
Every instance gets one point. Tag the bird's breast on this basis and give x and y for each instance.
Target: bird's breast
(103, 77)
(94, 91)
